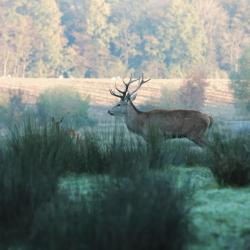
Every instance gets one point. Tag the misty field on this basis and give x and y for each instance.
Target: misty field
(74, 178)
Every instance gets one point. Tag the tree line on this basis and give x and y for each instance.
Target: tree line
(106, 38)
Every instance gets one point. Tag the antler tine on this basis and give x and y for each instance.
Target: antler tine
(120, 91)
(141, 82)
(130, 81)
(123, 93)
(127, 84)
(114, 94)
(144, 81)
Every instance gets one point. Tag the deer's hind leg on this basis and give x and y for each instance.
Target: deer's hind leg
(197, 136)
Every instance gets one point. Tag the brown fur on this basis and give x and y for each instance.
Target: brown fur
(190, 124)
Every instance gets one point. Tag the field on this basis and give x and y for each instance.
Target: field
(215, 210)
(219, 96)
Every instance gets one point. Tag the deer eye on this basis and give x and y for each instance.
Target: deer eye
(118, 104)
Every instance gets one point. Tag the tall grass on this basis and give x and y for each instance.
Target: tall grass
(136, 214)
(229, 156)
(32, 159)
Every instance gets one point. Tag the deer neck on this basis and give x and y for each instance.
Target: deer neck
(132, 118)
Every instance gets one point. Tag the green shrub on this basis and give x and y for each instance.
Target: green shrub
(64, 103)
(162, 152)
(183, 152)
(190, 95)
(114, 153)
(230, 158)
(12, 108)
(135, 214)
(121, 154)
(32, 159)
(192, 92)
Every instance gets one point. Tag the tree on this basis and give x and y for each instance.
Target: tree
(214, 20)
(241, 82)
(171, 35)
(89, 35)
(15, 39)
(239, 31)
(192, 92)
(48, 41)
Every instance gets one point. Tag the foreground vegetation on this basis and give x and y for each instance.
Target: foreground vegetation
(65, 188)
(33, 158)
(137, 198)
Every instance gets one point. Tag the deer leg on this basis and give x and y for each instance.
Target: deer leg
(197, 138)
(197, 135)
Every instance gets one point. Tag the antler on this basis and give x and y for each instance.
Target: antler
(125, 91)
(141, 82)
(127, 84)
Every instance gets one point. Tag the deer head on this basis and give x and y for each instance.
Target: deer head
(56, 124)
(125, 96)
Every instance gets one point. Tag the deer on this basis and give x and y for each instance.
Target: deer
(177, 123)
(72, 133)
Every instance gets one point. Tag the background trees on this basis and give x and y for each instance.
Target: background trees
(241, 82)
(105, 38)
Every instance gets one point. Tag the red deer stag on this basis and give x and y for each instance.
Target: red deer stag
(190, 124)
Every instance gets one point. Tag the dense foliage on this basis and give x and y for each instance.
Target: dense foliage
(103, 38)
(12, 107)
(65, 104)
(241, 83)
(61, 104)
(230, 158)
(143, 213)
(33, 158)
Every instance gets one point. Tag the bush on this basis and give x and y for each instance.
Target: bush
(114, 153)
(183, 152)
(121, 154)
(64, 103)
(32, 159)
(12, 107)
(190, 95)
(230, 158)
(135, 214)
(192, 92)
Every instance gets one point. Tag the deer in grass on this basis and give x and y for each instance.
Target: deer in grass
(179, 123)
(56, 124)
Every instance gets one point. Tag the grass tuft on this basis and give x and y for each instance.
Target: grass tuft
(230, 158)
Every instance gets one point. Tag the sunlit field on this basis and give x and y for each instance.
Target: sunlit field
(73, 177)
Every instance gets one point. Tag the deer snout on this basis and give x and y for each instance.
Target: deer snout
(109, 112)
